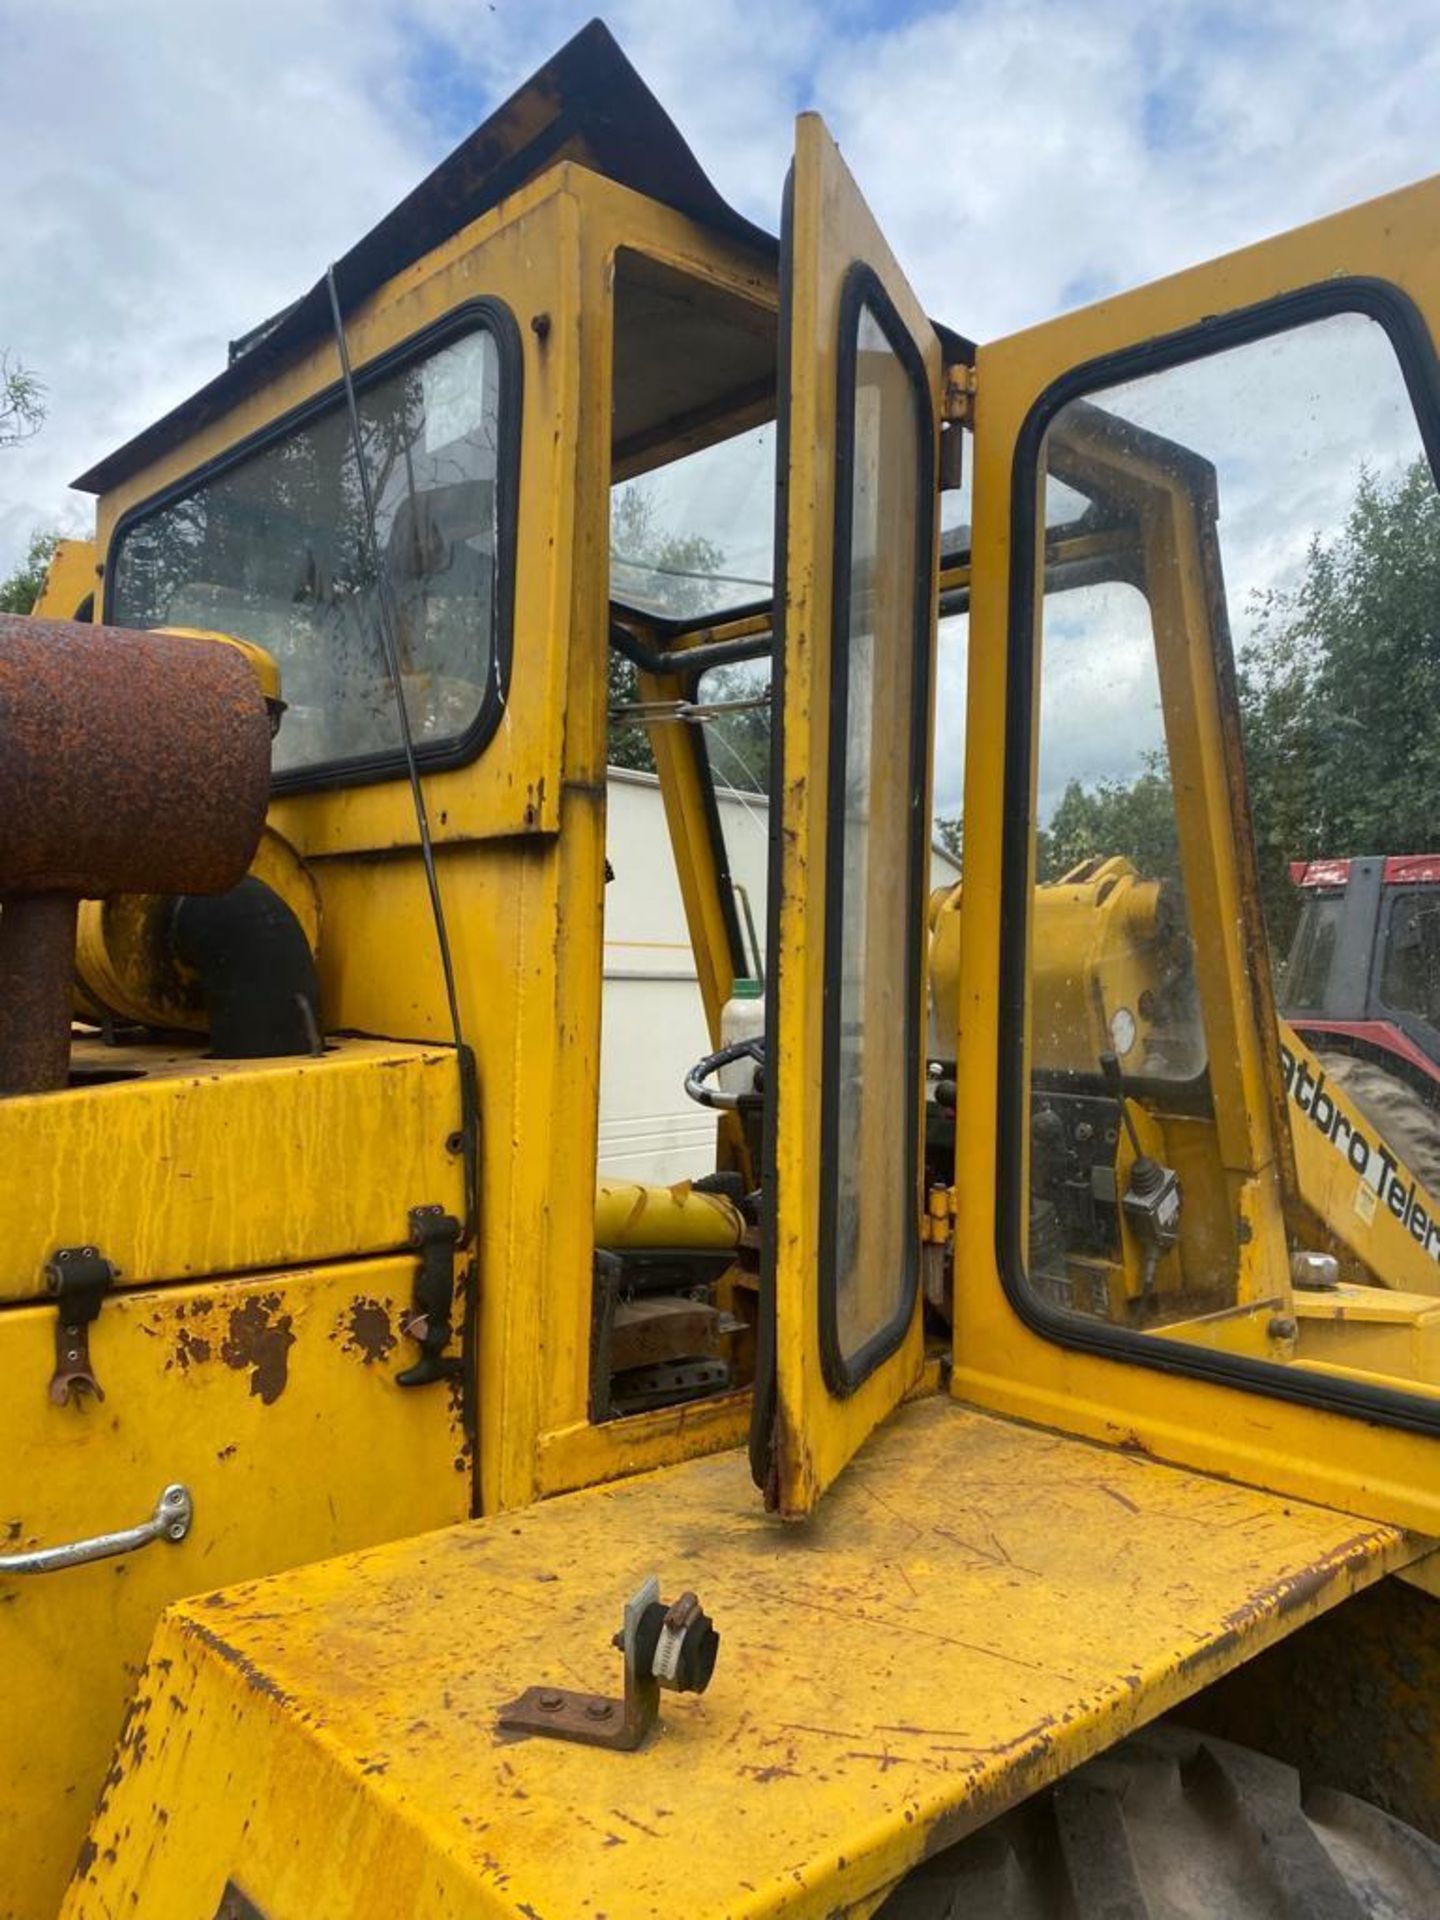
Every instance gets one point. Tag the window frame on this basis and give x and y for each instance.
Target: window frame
(863, 289)
(1419, 367)
(486, 314)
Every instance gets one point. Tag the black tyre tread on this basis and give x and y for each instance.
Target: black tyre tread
(1177, 1825)
(1409, 1126)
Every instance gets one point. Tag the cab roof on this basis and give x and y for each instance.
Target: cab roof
(586, 104)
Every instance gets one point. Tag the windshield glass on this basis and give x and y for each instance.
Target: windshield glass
(273, 548)
(696, 539)
(1410, 982)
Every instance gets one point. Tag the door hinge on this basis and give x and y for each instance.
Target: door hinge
(957, 411)
(957, 396)
(435, 1235)
(937, 1224)
(79, 1278)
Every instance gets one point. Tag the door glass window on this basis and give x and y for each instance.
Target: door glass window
(876, 867)
(1264, 519)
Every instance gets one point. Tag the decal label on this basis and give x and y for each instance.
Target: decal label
(1383, 1180)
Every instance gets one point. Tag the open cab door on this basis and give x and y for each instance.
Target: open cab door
(860, 370)
(1203, 512)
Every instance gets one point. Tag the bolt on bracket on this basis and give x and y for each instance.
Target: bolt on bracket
(674, 1647)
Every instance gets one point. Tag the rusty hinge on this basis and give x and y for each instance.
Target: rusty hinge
(957, 396)
(435, 1235)
(79, 1278)
(957, 411)
(937, 1225)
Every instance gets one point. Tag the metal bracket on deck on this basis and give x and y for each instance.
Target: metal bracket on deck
(673, 1647)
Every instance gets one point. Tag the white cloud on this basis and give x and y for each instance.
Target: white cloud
(175, 173)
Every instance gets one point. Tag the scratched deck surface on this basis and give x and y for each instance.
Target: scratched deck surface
(977, 1606)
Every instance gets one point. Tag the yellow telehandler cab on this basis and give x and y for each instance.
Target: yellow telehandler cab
(1006, 1484)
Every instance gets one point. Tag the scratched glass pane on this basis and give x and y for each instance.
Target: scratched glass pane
(274, 549)
(875, 1080)
(1247, 540)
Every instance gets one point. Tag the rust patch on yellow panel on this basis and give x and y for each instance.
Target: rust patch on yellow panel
(260, 1338)
(190, 1348)
(368, 1330)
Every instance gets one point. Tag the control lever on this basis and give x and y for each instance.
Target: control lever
(1151, 1199)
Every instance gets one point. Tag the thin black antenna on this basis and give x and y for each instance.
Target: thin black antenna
(388, 640)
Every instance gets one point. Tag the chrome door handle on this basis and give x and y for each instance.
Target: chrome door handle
(170, 1522)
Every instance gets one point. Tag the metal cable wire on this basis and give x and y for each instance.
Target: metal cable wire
(388, 640)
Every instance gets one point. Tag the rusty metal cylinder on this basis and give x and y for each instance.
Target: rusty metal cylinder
(129, 763)
(37, 948)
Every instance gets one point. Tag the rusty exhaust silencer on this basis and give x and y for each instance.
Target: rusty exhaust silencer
(129, 763)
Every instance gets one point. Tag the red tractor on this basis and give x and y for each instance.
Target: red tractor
(1362, 987)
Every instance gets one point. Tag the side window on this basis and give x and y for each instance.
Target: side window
(1264, 521)
(272, 547)
(1410, 969)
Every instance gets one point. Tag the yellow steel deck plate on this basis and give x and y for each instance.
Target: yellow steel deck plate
(976, 1607)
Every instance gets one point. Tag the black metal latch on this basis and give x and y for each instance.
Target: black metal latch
(435, 1235)
(79, 1278)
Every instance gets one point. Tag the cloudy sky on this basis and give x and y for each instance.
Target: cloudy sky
(177, 171)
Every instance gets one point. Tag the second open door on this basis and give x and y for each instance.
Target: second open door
(859, 392)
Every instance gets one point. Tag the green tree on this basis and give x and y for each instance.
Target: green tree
(1135, 818)
(21, 590)
(658, 572)
(1338, 693)
(22, 402)
(1337, 688)
(950, 832)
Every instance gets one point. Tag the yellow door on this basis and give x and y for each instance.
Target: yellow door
(859, 378)
(1202, 592)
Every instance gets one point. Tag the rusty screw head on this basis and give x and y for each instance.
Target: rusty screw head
(599, 1709)
(551, 1702)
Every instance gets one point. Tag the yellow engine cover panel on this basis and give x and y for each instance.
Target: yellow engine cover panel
(200, 1166)
(273, 1400)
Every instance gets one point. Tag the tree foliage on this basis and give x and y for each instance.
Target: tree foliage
(21, 590)
(670, 571)
(1137, 820)
(1338, 691)
(950, 832)
(22, 402)
(1338, 698)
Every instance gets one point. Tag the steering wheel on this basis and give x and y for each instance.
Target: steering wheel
(703, 1070)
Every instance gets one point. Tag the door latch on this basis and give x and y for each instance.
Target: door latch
(435, 1235)
(79, 1278)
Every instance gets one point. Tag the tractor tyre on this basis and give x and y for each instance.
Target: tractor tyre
(1409, 1127)
(1176, 1825)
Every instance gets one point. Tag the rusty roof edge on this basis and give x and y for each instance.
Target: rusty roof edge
(587, 103)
